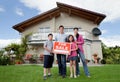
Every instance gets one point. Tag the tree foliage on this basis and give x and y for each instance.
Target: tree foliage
(19, 49)
(111, 54)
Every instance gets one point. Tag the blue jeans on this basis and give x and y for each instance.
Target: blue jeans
(81, 55)
(61, 64)
(77, 67)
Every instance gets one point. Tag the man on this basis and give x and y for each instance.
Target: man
(61, 58)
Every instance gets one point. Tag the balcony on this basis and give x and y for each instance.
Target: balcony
(40, 38)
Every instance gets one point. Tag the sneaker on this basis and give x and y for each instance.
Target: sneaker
(63, 76)
(71, 76)
(75, 76)
(60, 74)
(44, 77)
(88, 76)
(78, 75)
(50, 75)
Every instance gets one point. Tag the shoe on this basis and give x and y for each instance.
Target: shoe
(44, 77)
(75, 76)
(88, 76)
(50, 75)
(63, 76)
(71, 76)
(60, 74)
(78, 75)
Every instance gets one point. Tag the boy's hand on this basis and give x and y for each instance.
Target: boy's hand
(54, 52)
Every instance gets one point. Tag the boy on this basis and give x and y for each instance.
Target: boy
(48, 56)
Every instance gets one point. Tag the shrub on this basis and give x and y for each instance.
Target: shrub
(103, 61)
(109, 61)
(4, 60)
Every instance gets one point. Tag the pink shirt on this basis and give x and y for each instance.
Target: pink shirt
(73, 53)
(80, 45)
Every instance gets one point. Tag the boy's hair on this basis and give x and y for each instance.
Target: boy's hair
(61, 26)
(76, 28)
(72, 37)
(50, 34)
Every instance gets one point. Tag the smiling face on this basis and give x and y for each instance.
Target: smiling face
(50, 37)
(61, 29)
(71, 38)
(75, 31)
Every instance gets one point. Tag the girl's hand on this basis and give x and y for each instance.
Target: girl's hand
(69, 53)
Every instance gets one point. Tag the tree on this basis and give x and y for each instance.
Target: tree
(19, 49)
(23, 46)
(111, 54)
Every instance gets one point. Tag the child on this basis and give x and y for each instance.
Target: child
(48, 56)
(73, 56)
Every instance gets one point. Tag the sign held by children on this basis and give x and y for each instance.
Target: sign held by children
(62, 48)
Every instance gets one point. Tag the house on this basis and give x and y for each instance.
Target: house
(69, 16)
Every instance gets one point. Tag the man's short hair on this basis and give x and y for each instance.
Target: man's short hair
(61, 26)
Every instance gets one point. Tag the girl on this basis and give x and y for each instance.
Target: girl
(73, 56)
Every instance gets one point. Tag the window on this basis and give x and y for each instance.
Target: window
(45, 30)
(68, 29)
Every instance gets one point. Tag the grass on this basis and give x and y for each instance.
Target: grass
(34, 73)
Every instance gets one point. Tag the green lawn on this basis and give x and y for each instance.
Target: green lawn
(34, 73)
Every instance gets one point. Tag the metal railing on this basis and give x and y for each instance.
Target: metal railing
(41, 37)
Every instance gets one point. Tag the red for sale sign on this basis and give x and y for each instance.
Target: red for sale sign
(62, 47)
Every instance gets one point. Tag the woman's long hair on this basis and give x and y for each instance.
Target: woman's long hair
(77, 35)
(72, 37)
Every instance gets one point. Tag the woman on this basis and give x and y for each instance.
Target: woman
(80, 51)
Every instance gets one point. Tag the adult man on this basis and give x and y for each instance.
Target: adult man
(61, 58)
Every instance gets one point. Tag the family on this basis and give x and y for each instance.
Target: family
(77, 52)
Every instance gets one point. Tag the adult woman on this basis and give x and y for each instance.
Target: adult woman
(80, 51)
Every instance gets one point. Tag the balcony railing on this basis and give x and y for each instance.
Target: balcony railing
(41, 37)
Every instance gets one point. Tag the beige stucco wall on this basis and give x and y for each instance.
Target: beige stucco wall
(91, 48)
(96, 48)
(37, 51)
(35, 28)
(68, 21)
(75, 21)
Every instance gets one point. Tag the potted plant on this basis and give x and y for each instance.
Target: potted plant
(33, 59)
(87, 61)
(95, 56)
(18, 61)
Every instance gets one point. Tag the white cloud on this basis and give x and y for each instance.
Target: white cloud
(19, 12)
(104, 31)
(111, 41)
(109, 7)
(2, 9)
(4, 42)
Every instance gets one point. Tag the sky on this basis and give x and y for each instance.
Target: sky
(16, 11)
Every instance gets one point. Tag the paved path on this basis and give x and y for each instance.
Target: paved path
(55, 65)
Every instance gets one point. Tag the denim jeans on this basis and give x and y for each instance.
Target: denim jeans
(61, 64)
(82, 57)
(77, 67)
